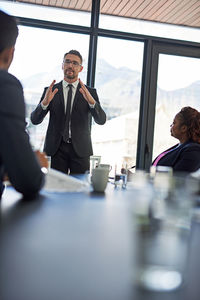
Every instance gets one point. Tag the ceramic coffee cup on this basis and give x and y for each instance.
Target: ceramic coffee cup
(99, 179)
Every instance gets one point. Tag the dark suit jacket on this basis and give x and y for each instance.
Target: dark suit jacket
(16, 156)
(186, 158)
(81, 117)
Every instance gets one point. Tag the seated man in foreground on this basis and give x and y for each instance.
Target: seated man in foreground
(17, 160)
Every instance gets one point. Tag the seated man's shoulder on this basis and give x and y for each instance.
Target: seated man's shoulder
(7, 79)
(11, 95)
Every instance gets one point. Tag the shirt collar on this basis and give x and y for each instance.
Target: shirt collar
(74, 84)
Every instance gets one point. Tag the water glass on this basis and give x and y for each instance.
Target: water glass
(49, 162)
(94, 162)
(162, 235)
(120, 177)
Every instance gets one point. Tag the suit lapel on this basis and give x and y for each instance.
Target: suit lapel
(61, 96)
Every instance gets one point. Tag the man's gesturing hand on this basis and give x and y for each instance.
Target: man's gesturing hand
(42, 158)
(49, 94)
(86, 94)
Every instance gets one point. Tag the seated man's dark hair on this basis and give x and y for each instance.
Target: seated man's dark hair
(8, 31)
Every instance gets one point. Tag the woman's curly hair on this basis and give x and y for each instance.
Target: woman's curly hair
(191, 118)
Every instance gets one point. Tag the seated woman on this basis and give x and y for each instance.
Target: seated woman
(185, 156)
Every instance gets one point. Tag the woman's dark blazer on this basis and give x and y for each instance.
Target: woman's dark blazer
(186, 158)
(81, 118)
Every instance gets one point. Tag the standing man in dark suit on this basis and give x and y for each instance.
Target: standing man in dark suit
(17, 159)
(71, 106)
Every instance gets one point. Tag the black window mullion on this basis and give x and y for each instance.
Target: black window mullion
(93, 42)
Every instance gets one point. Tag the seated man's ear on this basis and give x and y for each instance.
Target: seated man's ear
(6, 57)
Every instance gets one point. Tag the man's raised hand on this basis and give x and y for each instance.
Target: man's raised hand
(50, 93)
(86, 94)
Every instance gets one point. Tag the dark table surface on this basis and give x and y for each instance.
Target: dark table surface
(76, 246)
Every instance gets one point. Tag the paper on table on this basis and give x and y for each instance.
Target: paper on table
(60, 182)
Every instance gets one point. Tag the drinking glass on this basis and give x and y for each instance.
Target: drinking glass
(49, 161)
(120, 176)
(162, 235)
(94, 162)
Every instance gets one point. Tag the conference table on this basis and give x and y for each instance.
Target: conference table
(77, 246)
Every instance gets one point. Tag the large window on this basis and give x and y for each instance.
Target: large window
(147, 27)
(38, 61)
(118, 81)
(178, 86)
(53, 14)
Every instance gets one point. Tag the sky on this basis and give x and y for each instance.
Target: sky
(40, 50)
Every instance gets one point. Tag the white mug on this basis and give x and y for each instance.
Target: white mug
(99, 179)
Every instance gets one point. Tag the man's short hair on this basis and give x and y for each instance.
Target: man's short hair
(75, 52)
(8, 31)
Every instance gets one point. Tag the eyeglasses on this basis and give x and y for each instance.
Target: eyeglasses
(73, 62)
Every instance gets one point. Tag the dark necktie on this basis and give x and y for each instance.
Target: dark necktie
(67, 114)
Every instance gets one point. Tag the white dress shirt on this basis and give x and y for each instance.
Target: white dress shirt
(65, 94)
(66, 90)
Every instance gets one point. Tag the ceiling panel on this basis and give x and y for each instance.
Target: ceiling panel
(178, 12)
